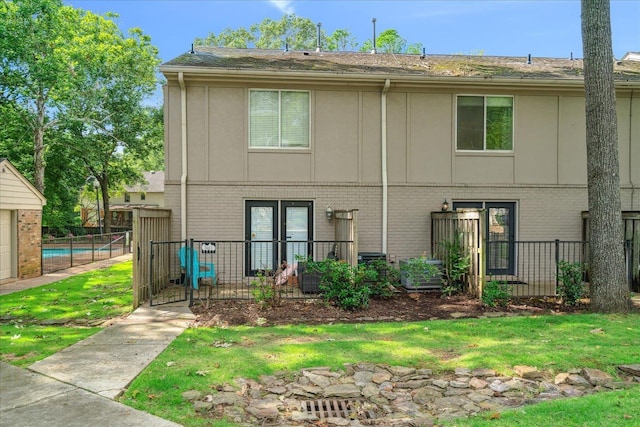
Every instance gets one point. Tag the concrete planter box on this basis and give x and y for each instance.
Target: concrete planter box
(424, 283)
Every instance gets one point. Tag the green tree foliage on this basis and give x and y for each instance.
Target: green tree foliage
(296, 32)
(390, 41)
(34, 72)
(342, 40)
(240, 38)
(293, 31)
(77, 83)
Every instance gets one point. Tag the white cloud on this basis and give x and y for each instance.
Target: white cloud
(285, 6)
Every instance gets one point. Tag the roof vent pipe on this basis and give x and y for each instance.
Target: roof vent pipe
(286, 47)
(571, 56)
(318, 44)
(529, 59)
(424, 54)
(373, 21)
(191, 51)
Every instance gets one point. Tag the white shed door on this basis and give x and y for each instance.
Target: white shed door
(5, 244)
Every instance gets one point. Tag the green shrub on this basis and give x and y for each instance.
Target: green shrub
(496, 294)
(417, 271)
(386, 277)
(265, 290)
(570, 283)
(456, 265)
(345, 285)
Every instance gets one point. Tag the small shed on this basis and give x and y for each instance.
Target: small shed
(20, 225)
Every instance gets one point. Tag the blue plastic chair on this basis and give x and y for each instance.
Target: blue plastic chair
(196, 270)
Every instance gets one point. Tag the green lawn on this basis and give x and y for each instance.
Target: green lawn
(33, 320)
(202, 358)
(205, 357)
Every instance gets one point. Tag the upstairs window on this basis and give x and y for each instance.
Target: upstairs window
(127, 198)
(484, 123)
(278, 119)
(143, 196)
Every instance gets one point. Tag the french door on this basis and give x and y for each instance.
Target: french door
(500, 234)
(276, 231)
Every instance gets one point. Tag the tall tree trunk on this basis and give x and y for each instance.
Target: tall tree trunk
(105, 207)
(609, 289)
(38, 144)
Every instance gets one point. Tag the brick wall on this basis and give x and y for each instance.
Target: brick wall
(542, 212)
(29, 243)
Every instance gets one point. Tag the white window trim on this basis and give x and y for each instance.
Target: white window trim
(484, 134)
(279, 147)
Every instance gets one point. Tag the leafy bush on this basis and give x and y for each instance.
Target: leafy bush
(570, 283)
(416, 271)
(386, 277)
(265, 290)
(496, 294)
(456, 265)
(343, 284)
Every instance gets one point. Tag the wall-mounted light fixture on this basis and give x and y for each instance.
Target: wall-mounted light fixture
(445, 206)
(329, 213)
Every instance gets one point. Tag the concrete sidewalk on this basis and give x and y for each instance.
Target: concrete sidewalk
(75, 386)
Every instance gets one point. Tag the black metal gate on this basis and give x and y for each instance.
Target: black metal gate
(168, 281)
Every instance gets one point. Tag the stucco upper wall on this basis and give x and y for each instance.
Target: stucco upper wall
(345, 136)
(16, 192)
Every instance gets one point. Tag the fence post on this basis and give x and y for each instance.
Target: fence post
(70, 251)
(93, 248)
(189, 270)
(150, 288)
(629, 263)
(557, 259)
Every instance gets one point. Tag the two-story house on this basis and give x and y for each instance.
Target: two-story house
(261, 144)
(147, 194)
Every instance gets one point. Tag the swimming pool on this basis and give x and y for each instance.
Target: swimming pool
(65, 252)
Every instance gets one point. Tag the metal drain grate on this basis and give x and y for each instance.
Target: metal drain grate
(348, 409)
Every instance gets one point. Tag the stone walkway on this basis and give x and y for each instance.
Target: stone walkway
(370, 394)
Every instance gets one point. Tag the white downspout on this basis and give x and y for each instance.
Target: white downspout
(183, 176)
(383, 136)
(631, 163)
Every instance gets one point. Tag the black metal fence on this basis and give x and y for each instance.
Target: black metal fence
(531, 267)
(77, 230)
(59, 253)
(167, 281)
(206, 269)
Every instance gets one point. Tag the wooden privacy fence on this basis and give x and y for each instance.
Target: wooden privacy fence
(468, 226)
(148, 225)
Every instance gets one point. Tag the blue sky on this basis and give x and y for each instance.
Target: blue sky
(548, 28)
(512, 28)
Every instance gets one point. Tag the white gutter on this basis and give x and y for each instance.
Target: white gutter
(631, 163)
(383, 137)
(183, 176)
(336, 77)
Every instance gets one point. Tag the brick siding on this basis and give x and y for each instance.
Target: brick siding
(542, 212)
(29, 243)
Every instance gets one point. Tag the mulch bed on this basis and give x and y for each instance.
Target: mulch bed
(403, 307)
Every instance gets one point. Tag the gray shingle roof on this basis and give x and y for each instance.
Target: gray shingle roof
(346, 63)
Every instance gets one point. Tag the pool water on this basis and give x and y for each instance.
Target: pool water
(56, 252)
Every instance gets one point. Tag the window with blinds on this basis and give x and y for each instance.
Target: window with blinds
(278, 119)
